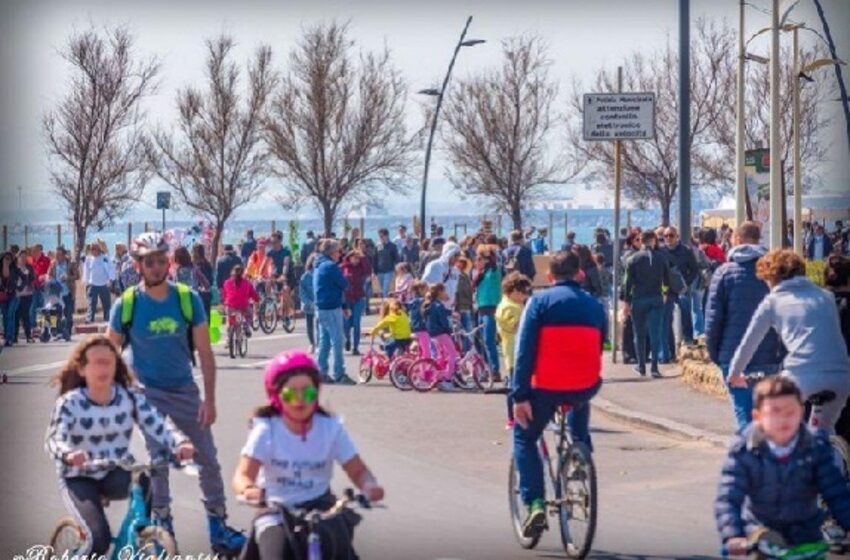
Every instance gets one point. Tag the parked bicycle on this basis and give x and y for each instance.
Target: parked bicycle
(571, 485)
(376, 363)
(138, 532)
(471, 369)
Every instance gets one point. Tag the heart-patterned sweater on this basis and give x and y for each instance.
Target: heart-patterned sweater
(104, 431)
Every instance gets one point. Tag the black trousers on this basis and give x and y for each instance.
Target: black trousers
(83, 498)
(23, 316)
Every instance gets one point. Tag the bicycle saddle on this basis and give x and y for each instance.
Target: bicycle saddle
(821, 398)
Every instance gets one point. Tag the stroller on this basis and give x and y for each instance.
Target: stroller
(53, 322)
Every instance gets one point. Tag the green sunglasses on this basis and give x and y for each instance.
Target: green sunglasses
(307, 395)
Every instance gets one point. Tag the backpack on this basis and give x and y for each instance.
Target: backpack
(128, 299)
(706, 268)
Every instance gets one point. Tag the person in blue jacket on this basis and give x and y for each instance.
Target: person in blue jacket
(439, 326)
(775, 471)
(733, 296)
(329, 285)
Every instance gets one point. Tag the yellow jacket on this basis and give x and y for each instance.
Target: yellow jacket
(508, 314)
(398, 325)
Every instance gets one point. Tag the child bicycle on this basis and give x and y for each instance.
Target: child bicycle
(238, 328)
(138, 532)
(571, 480)
(764, 544)
(376, 363)
(303, 535)
(471, 369)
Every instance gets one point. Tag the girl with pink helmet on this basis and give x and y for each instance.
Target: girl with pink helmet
(290, 455)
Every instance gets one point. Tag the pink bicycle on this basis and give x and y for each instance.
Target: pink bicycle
(376, 363)
(471, 370)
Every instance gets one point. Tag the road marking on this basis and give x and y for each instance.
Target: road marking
(34, 368)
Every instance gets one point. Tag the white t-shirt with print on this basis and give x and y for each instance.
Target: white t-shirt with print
(296, 470)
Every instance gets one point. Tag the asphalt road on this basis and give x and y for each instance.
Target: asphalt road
(442, 458)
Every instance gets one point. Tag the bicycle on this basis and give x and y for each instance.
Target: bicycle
(237, 339)
(276, 306)
(138, 531)
(765, 544)
(377, 363)
(471, 370)
(571, 479)
(299, 520)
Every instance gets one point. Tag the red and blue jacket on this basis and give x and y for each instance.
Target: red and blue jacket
(559, 344)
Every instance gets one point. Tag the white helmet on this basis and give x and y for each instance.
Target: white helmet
(148, 243)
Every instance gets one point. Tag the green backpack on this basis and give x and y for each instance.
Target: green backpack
(128, 299)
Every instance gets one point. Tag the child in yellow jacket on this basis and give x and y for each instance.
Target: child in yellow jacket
(516, 289)
(394, 319)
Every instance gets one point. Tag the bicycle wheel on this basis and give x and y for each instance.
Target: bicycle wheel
(364, 372)
(576, 495)
(255, 318)
(481, 373)
(399, 375)
(67, 537)
(154, 541)
(518, 509)
(268, 316)
(465, 373)
(288, 322)
(242, 344)
(423, 375)
(231, 341)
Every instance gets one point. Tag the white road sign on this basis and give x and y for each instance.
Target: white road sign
(619, 116)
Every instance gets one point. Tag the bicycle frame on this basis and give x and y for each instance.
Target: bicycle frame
(136, 518)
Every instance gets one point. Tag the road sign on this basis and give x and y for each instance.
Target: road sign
(163, 200)
(619, 116)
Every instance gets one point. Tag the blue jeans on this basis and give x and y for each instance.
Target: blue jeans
(386, 281)
(9, 310)
(466, 325)
(94, 293)
(491, 349)
(696, 308)
(37, 303)
(353, 322)
(331, 334)
(668, 346)
(648, 318)
(543, 407)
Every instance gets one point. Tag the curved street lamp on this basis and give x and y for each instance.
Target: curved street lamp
(439, 94)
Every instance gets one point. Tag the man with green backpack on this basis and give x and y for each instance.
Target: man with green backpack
(162, 324)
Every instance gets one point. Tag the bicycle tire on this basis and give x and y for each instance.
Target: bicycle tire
(68, 536)
(518, 509)
(231, 341)
(482, 375)
(242, 344)
(158, 540)
(255, 318)
(399, 375)
(364, 372)
(268, 316)
(423, 375)
(465, 374)
(577, 467)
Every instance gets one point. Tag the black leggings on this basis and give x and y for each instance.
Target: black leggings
(23, 316)
(83, 498)
(272, 542)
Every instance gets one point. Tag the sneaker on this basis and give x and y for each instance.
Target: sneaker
(161, 517)
(344, 380)
(328, 380)
(224, 540)
(355, 352)
(535, 523)
(639, 371)
(655, 374)
(347, 345)
(447, 387)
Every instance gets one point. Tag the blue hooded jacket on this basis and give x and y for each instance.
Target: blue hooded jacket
(733, 297)
(328, 284)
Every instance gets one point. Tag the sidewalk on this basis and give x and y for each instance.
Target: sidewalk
(666, 405)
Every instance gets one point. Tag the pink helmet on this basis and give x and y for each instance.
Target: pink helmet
(285, 364)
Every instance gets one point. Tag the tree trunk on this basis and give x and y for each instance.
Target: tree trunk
(79, 242)
(665, 212)
(516, 216)
(328, 218)
(218, 229)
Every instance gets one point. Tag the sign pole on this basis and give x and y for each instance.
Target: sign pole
(615, 331)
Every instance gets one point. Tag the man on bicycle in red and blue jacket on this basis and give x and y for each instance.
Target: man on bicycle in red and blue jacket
(558, 361)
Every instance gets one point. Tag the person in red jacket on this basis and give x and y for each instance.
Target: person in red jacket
(237, 293)
(708, 244)
(357, 269)
(41, 264)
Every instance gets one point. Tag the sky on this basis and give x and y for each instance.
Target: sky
(583, 35)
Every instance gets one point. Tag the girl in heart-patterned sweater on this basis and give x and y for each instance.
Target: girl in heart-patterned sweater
(93, 418)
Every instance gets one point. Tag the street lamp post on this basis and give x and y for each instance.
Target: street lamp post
(740, 182)
(776, 226)
(439, 94)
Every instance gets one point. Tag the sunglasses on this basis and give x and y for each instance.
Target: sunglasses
(151, 261)
(670, 235)
(307, 395)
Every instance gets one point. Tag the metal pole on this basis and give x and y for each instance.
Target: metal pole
(685, 120)
(566, 229)
(741, 181)
(628, 219)
(434, 125)
(274, 226)
(147, 227)
(362, 227)
(163, 219)
(798, 173)
(129, 234)
(776, 225)
(617, 149)
(26, 236)
(551, 229)
(499, 225)
(5, 237)
(58, 234)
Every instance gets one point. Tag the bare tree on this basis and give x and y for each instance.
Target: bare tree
(94, 135)
(215, 160)
(336, 128)
(497, 127)
(650, 167)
